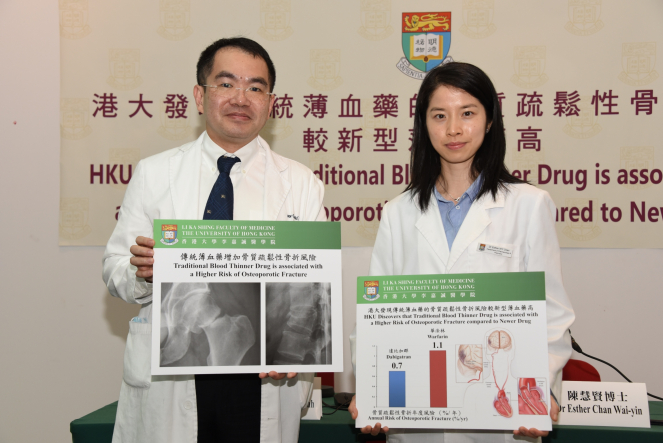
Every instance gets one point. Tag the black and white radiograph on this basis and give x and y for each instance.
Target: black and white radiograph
(210, 324)
(298, 326)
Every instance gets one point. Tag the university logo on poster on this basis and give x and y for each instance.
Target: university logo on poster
(638, 60)
(323, 162)
(169, 234)
(368, 225)
(638, 158)
(325, 69)
(175, 17)
(528, 160)
(124, 68)
(276, 129)
(375, 17)
(74, 218)
(171, 127)
(585, 124)
(478, 18)
(584, 17)
(585, 227)
(426, 38)
(371, 290)
(529, 63)
(275, 19)
(74, 118)
(73, 18)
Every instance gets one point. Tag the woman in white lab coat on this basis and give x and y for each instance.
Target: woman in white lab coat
(462, 195)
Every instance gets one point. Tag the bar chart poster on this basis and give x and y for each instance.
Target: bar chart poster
(461, 351)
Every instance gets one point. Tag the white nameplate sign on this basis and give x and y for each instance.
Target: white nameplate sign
(585, 403)
(313, 410)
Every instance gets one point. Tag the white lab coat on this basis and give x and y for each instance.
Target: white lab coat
(162, 409)
(521, 220)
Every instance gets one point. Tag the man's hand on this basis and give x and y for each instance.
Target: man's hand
(277, 375)
(143, 257)
(375, 430)
(533, 432)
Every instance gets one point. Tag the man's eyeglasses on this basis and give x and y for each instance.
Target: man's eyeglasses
(253, 93)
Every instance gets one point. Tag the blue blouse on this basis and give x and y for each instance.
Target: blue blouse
(453, 213)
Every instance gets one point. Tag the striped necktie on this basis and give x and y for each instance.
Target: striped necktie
(228, 404)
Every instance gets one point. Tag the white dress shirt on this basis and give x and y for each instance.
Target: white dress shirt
(247, 176)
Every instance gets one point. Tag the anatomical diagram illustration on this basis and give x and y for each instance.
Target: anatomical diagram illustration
(500, 351)
(298, 325)
(210, 324)
(531, 397)
(469, 363)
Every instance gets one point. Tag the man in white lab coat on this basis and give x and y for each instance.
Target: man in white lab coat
(235, 81)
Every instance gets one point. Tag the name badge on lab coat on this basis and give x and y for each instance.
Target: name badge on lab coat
(495, 250)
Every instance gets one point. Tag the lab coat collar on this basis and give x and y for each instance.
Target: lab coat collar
(476, 221)
(276, 185)
(184, 173)
(184, 176)
(431, 227)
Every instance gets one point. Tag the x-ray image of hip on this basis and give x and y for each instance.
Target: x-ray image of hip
(210, 324)
(298, 323)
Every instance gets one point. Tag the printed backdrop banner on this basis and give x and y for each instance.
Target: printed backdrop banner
(577, 81)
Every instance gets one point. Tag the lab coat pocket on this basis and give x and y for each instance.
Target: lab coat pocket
(496, 257)
(137, 367)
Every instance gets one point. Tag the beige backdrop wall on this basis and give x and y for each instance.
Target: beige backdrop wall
(578, 82)
(63, 336)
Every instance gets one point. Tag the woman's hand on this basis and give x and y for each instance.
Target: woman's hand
(375, 430)
(533, 432)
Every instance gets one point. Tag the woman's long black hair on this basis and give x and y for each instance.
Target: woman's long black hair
(425, 164)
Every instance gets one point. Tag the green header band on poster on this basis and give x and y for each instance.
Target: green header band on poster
(452, 288)
(246, 234)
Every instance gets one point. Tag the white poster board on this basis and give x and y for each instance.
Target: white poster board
(246, 296)
(465, 351)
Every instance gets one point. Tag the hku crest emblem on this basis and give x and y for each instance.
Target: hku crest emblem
(637, 157)
(368, 229)
(529, 160)
(175, 16)
(325, 69)
(317, 162)
(584, 125)
(73, 18)
(375, 18)
(124, 68)
(275, 19)
(173, 128)
(478, 18)
(276, 129)
(74, 116)
(529, 62)
(371, 290)
(638, 61)
(370, 123)
(74, 218)
(426, 40)
(584, 17)
(582, 230)
(169, 234)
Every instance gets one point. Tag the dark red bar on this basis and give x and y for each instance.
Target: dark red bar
(438, 379)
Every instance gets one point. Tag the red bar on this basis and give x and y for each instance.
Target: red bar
(438, 379)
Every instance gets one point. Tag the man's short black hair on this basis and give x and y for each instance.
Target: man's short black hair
(206, 60)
